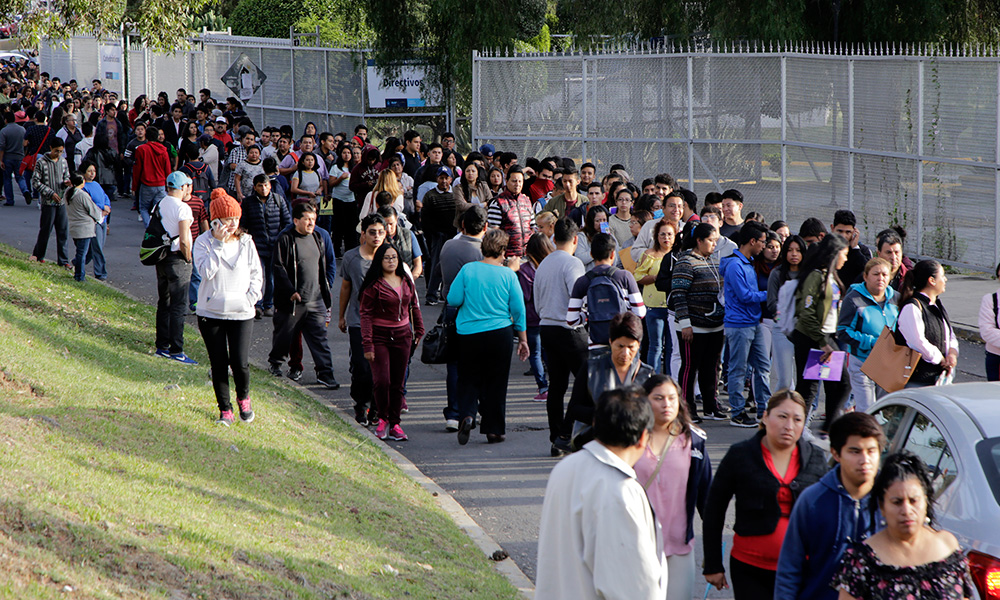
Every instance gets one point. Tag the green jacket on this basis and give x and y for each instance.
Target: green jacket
(813, 301)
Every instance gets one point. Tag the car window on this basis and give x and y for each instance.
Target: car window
(926, 441)
(989, 456)
(889, 418)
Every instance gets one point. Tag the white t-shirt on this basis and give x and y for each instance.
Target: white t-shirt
(172, 212)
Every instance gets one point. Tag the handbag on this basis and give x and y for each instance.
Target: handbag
(28, 162)
(437, 345)
(890, 365)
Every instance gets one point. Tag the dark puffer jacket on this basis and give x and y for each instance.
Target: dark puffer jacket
(264, 221)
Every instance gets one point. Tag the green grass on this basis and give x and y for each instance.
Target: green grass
(118, 486)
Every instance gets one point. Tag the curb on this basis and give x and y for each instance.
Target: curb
(967, 333)
(507, 567)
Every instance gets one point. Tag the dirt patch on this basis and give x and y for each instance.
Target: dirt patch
(277, 567)
(11, 387)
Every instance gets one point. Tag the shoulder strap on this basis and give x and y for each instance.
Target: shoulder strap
(996, 311)
(659, 463)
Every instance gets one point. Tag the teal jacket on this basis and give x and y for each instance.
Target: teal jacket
(862, 319)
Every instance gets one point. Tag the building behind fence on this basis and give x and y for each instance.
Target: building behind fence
(909, 137)
(304, 83)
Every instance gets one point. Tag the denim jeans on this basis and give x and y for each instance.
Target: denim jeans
(97, 251)
(10, 168)
(747, 348)
(660, 343)
(193, 287)
(267, 299)
(782, 361)
(862, 387)
(82, 258)
(148, 196)
(535, 357)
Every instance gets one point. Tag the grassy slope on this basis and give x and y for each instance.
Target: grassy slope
(119, 487)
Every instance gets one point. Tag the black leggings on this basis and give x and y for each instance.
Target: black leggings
(228, 345)
(700, 359)
(750, 582)
(483, 371)
(837, 392)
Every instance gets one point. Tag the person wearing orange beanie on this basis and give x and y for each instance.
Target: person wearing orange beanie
(232, 283)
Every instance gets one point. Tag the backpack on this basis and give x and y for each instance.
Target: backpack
(156, 241)
(199, 181)
(784, 315)
(605, 299)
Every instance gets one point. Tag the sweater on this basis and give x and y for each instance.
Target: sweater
(49, 178)
(231, 277)
(488, 298)
(554, 280)
(152, 165)
(438, 213)
(695, 293)
(744, 474)
(823, 522)
(82, 214)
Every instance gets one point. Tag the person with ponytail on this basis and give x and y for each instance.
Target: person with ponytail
(924, 325)
(83, 215)
(817, 309)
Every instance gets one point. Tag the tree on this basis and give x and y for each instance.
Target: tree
(164, 25)
(265, 18)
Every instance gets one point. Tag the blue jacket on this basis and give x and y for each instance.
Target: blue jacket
(823, 521)
(699, 479)
(264, 221)
(862, 319)
(743, 297)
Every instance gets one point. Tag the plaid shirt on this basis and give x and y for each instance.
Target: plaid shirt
(236, 156)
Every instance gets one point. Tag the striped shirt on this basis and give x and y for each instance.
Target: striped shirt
(577, 310)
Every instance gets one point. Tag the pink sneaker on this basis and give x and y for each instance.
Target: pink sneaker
(380, 431)
(397, 433)
(226, 418)
(541, 397)
(246, 413)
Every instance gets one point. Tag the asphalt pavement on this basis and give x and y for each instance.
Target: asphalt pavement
(500, 486)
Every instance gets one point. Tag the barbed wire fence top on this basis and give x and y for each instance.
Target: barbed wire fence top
(906, 135)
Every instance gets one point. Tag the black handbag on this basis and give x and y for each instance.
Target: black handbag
(439, 341)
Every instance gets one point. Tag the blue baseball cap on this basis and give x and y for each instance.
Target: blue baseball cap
(177, 180)
(487, 149)
(443, 171)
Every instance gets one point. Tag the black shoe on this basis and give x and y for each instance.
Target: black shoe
(528, 373)
(718, 415)
(274, 370)
(557, 452)
(295, 374)
(697, 420)
(562, 445)
(268, 312)
(464, 430)
(359, 416)
(743, 420)
(258, 313)
(432, 302)
(494, 438)
(329, 383)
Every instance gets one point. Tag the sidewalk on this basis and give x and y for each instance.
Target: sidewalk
(962, 298)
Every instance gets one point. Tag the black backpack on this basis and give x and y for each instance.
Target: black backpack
(605, 299)
(156, 241)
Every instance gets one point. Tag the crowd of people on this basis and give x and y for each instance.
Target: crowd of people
(640, 293)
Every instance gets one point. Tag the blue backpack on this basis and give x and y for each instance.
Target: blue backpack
(605, 299)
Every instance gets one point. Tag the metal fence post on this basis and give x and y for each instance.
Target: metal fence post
(690, 114)
(920, 163)
(996, 178)
(784, 136)
(473, 122)
(364, 85)
(291, 61)
(850, 134)
(583, 130)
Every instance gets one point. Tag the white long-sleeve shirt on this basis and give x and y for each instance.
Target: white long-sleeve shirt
(232, 280)
(989, 328)
(911, 325)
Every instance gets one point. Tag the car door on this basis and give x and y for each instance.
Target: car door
(914, 429)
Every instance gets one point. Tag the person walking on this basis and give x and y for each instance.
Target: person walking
(866, 310)
(598, 537)
(173, 273)
(676, 473)
(924, 324)
(83, 216)
(231, 282)
(657, 312)
(96, 192)
(301, 295)
(539, 247)
(11, 155)
(265, 216)
(989, 330)
(391, 328)
(51, 178)
(817, 309)
(490, 313)
(766, 474)
(793, 252)
(437, 217)
(149, 173)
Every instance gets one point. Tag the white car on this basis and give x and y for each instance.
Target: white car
(955, 429)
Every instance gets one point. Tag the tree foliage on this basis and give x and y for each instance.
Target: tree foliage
(164, 25)
(265, 18)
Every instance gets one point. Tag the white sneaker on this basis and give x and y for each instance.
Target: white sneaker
(451, 425)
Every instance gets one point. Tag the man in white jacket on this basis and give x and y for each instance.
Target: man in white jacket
(598, 537)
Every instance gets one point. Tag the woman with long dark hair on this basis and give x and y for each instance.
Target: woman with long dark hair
(391, 327)
(539, 246)
(596, 215)
(657, 313)
(695, 292)
(817, 309)
(676, 473)
(924, 324)
(342, 215)
(793, 251)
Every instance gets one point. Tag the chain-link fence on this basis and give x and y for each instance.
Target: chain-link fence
(325, 86)
(910, 138)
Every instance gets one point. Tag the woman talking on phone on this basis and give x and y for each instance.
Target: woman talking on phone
(231, 284)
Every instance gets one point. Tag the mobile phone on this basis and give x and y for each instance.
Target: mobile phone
(217, 224)
(605, 228)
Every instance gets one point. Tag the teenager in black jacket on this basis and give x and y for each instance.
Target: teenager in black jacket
(766, 473)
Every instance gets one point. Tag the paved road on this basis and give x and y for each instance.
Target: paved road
(500, 486)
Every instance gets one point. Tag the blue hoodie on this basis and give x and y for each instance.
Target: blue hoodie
(743, 297)
(824, 520)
